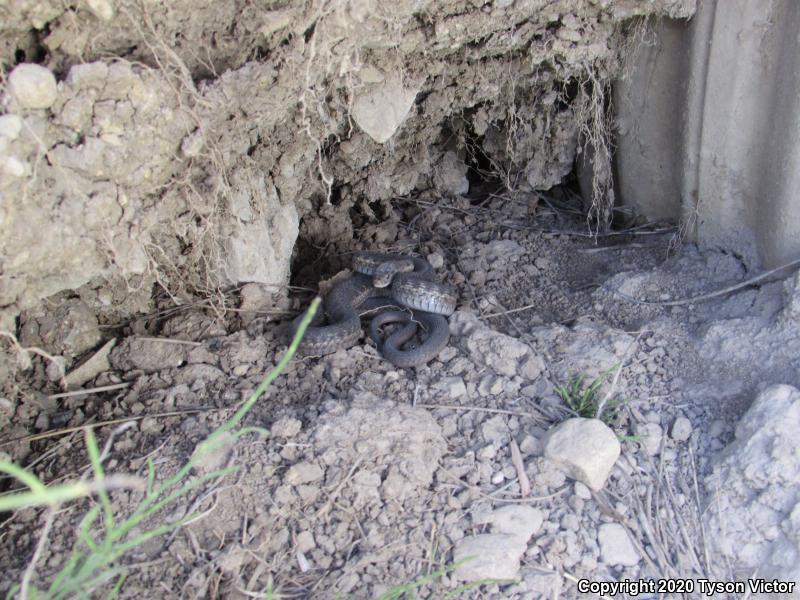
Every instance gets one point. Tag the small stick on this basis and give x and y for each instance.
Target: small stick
(508, 312)
(48, 434)
(702, 297)
(97, 390)
(169, 341)
(614, 247)
(519, 466)
(480, 492)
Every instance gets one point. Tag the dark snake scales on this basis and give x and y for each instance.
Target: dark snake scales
(415, 297)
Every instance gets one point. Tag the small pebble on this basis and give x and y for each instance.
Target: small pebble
(32, 86)
(436, 260)
(650, 436)
(581, 491)
(286, 427)
(530, 445)
(681, 429)
(454, 387)
(305, 541)
(304, 472)
(488, 452)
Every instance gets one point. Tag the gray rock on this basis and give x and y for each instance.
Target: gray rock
(436, 260)
(450, 175)
(530, 445)
(147, 355)
(515, 519)
(532, 368)
(304, 472)
(71, 329)
(258, 234)
(193, 143)
(448, 354)
(543, 585)
(488, 452)
(380, 108)
(501, 353)
(305, 541)
(791, 302)
(585, 449)
(286, 427)
(616, 547)
(32, 86)
(102, 9)
(753, 515)
(488, 556)
(503, 251)
(681, 429)
(650, 436)
(453, 386)
(495, 429)
(491, 385)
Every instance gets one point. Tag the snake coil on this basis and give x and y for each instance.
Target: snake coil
(403, 283)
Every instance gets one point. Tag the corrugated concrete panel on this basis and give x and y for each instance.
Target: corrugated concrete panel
(709, 127)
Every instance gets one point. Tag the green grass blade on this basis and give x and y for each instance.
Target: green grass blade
(99, 475)
(26, 477)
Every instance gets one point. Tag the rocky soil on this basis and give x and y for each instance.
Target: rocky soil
(372, 476)
(178, 179)
(187, 147)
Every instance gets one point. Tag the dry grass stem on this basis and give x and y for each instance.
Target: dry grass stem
(519, 466)
(86, 392)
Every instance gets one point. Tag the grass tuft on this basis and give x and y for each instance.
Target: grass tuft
(583, 398)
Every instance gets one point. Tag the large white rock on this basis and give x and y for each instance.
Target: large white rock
(32, 86)
(753, 516)
(585, 449)
(382, 107)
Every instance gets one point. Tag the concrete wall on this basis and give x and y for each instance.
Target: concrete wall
(709, 127)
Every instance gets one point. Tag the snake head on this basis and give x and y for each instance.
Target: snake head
(382, 280)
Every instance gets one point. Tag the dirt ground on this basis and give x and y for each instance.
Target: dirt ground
(374, 476)
(166, 211)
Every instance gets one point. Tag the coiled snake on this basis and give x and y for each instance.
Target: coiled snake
(403, 283)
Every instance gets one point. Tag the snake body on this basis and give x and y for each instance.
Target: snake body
(384, 281)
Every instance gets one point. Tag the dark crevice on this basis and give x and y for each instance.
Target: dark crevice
(569, 93)
(35, 52)
(309, 32)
